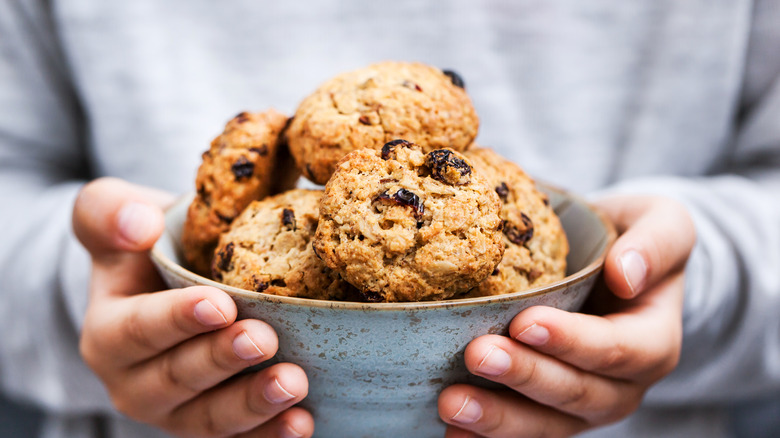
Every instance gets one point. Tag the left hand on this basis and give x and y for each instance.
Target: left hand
(568, 372)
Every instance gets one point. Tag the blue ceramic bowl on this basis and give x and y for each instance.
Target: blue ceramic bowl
(377, 369)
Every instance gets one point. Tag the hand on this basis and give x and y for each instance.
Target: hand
(170, 358)
(567, 372)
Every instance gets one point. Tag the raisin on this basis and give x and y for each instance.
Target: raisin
(278, 283)
(259, 285)
(519, 234)
(406, 198)
(533, 275)
(447, 167)
(201, 191)
(241, 117)
(412, 85)
(364, 120)
(370, 296)
(242, 168)
(262, 150)
(316, 252)
(455, 78)
(224, 258)
(503, 191)
(288, 218)
(495, 271)
(225, 219)
(351, 293)
(389, 147)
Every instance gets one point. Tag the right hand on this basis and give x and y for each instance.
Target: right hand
(170, 357)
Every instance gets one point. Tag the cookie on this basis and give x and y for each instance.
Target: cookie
(404, 225)
(368, 107)
(535, 242)
(268, 249)
(239, 167)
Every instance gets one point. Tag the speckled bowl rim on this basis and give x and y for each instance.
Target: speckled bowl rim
(591, 269)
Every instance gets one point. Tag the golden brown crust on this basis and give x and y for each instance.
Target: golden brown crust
(536, 245)
(238, 168)
(402, 228)
(368, 107)
(268, 249)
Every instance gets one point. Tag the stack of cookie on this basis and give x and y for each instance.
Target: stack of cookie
(411, 209)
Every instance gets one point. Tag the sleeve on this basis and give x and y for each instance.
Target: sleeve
(44, 270)
(731, 318)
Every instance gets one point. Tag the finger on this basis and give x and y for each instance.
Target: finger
(657, 238)
(103, 227)
(640, 342)
(242, 404)
(456, 432)
(201, 363)
(551, 382)
(126, 331)
(117, 222)
(503, 414)
(292, 423)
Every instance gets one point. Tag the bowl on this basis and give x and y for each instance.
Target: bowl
(376, 369)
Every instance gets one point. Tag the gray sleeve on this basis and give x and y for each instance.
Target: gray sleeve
(731, 343)
(43, 163)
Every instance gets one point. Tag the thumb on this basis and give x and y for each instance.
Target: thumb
(117, 222)
(656, 238)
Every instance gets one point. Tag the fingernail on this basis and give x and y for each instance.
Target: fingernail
(634, 270)
(275, 393)
(290, 432)
(208, 315)
(469, 412)
(134, 221)
(495, 362)
(245, 348)
(534, 335)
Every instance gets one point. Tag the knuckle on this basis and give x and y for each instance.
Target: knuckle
(622, 408)
(204, 425)
(526, 374)
(179, 319)
(87, 352)
(254, 404)
(492, 422)
(220, 362)
(576, 398)
(616, 358)
(171, 377)
(211, 427)
(135, 332)
(123, 404)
